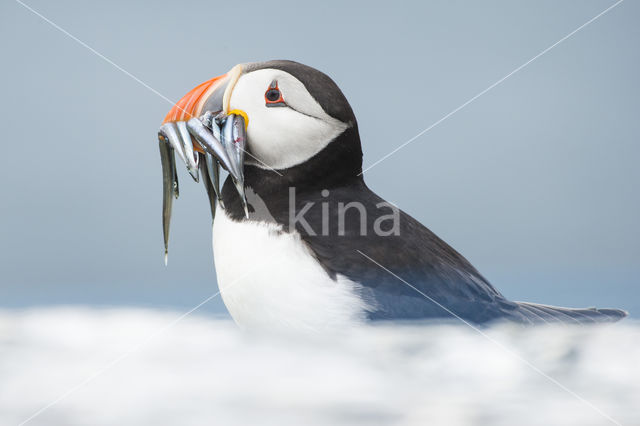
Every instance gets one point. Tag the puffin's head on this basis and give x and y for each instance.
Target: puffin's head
(292, 111)
(278, 115)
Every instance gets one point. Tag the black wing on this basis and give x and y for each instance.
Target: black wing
(405, 272)
(392, 253)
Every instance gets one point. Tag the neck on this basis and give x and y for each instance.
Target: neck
(339, 161)
(339, 164)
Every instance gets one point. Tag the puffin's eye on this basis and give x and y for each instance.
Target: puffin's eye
(273, 96)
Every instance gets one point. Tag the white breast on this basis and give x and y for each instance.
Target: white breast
(270, 279)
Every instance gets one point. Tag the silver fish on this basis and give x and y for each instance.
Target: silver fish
(171, 134)
(234, 140)
(213, 167)
(210, 143)
(169, 188)
(187, 144)
(208, 184)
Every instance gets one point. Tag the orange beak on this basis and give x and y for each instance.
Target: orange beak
(192, 103)
(212, 95)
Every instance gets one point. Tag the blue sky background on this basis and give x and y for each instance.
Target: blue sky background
(535, 182)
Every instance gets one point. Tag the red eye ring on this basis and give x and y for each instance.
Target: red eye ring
(273, 96)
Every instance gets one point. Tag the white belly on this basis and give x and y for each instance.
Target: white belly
(269, 279)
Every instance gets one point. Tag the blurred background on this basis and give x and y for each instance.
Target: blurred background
(535, 182)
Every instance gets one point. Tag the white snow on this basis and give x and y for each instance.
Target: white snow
(133, 370)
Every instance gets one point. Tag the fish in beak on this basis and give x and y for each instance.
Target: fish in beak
(206, 135)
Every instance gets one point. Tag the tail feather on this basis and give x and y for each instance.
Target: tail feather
(535, 313)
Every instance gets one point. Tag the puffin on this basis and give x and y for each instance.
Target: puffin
(299, 239)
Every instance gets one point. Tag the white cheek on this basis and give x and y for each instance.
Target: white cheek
(281, 137)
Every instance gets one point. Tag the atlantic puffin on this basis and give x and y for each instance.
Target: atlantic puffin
(328, 251)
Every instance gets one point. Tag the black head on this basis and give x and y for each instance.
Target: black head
(299, 123)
